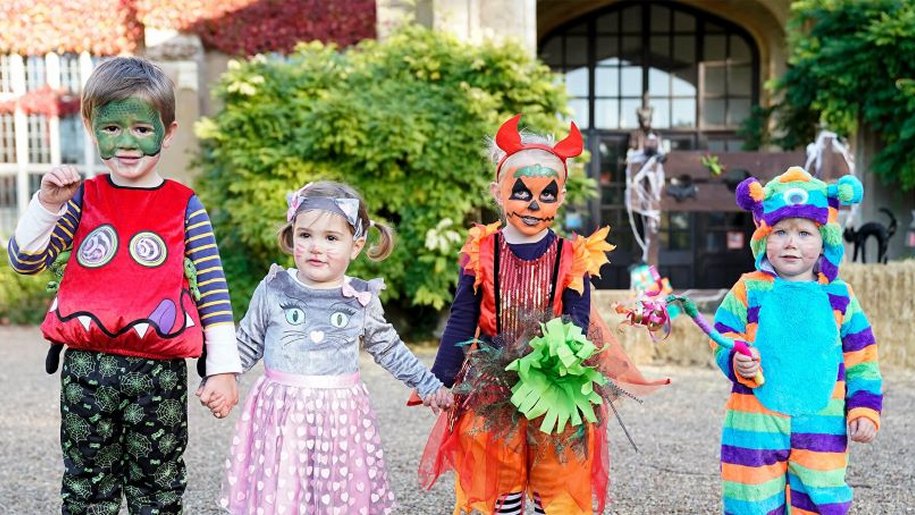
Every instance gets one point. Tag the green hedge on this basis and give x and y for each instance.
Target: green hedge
(23, 299)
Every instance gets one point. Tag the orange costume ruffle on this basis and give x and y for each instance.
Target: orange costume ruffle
(568, 471)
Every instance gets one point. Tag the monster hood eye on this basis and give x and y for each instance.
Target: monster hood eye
(795, 196)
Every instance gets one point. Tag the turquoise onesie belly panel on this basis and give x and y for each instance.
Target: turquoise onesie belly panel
(799, 345)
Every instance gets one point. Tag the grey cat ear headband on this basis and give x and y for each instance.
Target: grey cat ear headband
(348, 208)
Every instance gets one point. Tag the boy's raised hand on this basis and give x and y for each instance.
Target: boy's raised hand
(862, 430)
(219, 393)
(58, 186)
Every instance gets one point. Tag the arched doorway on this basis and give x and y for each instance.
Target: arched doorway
(700, 75)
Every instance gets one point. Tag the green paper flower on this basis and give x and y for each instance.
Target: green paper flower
(553, 381)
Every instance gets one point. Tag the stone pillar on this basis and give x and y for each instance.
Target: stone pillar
(181, 57)
(473, 21)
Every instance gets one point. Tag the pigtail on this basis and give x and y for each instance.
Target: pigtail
(385, 245)
(284, 237)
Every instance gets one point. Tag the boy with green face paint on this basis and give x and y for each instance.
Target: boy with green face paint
(126, 308)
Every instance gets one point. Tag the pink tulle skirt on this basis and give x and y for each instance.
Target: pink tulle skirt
(307, 445)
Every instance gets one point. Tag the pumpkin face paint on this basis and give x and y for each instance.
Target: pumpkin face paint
(130, 136)
(531, 188)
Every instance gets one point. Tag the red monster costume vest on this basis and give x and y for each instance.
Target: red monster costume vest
(124, 290)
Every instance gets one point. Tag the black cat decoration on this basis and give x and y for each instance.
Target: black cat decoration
(858, 237)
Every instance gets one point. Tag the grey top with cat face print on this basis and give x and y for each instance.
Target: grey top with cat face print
(308, 331)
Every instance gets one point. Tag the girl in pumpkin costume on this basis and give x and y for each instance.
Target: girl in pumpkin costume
(511, 278)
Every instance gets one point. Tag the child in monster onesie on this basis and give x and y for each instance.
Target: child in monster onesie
(785, 439)
(126, 309)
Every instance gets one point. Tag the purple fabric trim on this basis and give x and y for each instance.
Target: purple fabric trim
(841, 374)
(778, 511)
(722, 328)
(857, 341)
(829, 269)
(863, 399)
(753, 315)
(817, 214)
(802, 500)
(739, 387)
(752, 457)
(819, 442)
(839, 302)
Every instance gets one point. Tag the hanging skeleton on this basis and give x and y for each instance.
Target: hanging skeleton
(829, 142)
(644, 181)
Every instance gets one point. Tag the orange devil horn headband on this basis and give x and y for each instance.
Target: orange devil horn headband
(509, 140)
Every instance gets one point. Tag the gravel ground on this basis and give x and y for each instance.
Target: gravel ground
(675, 470)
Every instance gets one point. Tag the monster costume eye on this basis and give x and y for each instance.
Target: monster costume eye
(795, 196)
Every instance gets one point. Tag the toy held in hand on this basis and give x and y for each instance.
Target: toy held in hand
(651, 310)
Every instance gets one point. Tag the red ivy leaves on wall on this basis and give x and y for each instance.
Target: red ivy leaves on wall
(238, 27)
(247, 27)
(46, 101)
(100, 27)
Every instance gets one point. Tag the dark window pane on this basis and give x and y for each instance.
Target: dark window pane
(660, 50)
(684, 22)
(684, 50)
(740, 51)
(607, 47)
(632, 50)
(576, 51)
(715, 47)
(551, 54)
(632, 19)
(608, 22)
(660, 19)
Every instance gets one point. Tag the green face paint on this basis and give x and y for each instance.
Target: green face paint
(535, 170)
(129, 124)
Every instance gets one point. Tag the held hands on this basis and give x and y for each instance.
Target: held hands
(58, 186)
(747, 366)
(219, 393)
(439, 400)
(862, 430)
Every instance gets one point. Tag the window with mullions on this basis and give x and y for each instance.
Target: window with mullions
(699, 72)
